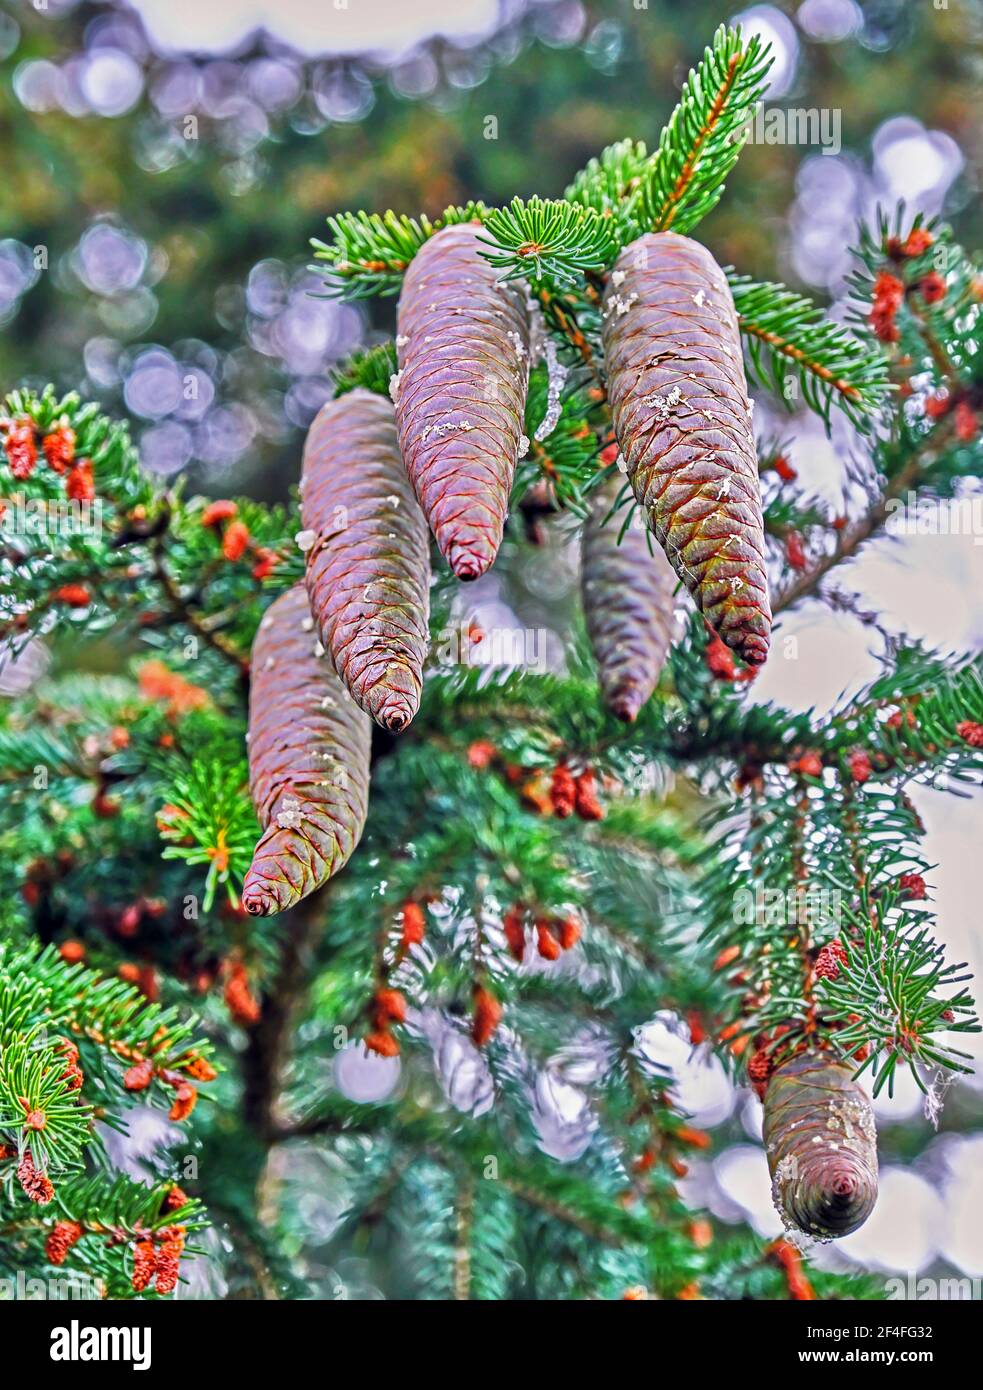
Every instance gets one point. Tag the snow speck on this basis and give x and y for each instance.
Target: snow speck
(557, 375)
(289, 817)
(619, 306)
(664, 405)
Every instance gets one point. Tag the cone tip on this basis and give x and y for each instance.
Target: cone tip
(261, 895)
(467, 563)
(395, 715)
(749, 644)
(394, 703)
(625, 702)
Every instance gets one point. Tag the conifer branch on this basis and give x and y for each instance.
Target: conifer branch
(464, 1222)
(208, 819)
(894, 995)
(518, 817)
(185, 614)
(786, 331)
(369, 252)
(607, 182)
(548, 239)
(702, 140)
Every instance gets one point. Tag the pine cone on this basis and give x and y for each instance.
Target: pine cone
(680, 406)
(60, 1240)
(368, 571)
(822, 1146)
(463, 343)
(35, 1184)
(628, 603)
(308, 761)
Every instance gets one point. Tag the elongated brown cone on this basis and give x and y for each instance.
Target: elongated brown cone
(309, 749)
(463, 352)
(679, 401)
(822, 1146)
(628, 603)
(368, 568)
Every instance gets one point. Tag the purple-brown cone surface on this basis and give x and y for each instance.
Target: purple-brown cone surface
(628, 602)
(463, 353)
(822, 1146)
(368, 567)
(681, 415)
(309, 747)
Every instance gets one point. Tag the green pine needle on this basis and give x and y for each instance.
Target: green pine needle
(549, 239)
(895, 995)
(207, 803)
(703, 138)
(371, 369)
(370, 251)
(788, 335)
(608, 182)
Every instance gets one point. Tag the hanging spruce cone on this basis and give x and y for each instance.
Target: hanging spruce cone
(463, 344)
(308, 761)
(628, 603)
(368, 568)
(822, 1146)
(681, 415)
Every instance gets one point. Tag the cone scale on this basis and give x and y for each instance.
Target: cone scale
(821, 1144)
(309, 746)
(368, 567)
(681, 415)
(463, 355)
(628, 592)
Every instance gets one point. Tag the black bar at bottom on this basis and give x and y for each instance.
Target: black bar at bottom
(178, 1338)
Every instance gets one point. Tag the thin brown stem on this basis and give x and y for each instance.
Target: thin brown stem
(559, 1212)
(462, 1243)
(693, 158)
(269, 1041)
(851, 540)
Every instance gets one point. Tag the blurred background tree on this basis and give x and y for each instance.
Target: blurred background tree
(176, 192)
